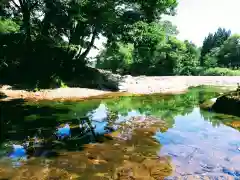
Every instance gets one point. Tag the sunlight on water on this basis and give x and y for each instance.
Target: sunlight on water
(64, 131)
(145, 137)
(99, 114)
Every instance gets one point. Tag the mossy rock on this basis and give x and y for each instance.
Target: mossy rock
(207, 105)
(228, 103)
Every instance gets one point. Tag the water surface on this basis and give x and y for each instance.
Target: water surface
(47, 140)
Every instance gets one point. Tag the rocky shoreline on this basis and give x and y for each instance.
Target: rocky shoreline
(125, 85)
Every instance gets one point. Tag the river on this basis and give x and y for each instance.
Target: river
(143, 137)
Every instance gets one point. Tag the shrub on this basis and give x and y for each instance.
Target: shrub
(210, 61)
(220, 72)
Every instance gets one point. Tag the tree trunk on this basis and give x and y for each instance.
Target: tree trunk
(85, 53)
(27, 24)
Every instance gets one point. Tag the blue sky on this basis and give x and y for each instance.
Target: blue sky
(196, 18)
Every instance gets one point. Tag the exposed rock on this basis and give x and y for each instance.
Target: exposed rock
(126, 128)
(38, 173)
(149, 169)
(5, 173)
(228, 103)
(2, 95)
(109, 80)
(207, 105)
(116, 81)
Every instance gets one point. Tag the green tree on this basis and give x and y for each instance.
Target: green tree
(59, 34)
(175, 57)
(8, 26)
(190, 61)
(229, 53)
(213, 40)
(169, 28)
(24, 10)
(154, 52)
(117, 58)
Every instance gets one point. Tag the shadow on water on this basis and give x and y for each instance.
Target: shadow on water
(191, 142)
(14, 123)
(40, 123)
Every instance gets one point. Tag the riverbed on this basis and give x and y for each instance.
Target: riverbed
(156, 136)
(129, 85)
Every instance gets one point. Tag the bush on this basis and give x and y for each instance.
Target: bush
(210, 61)
(196, 71)
(220, 72)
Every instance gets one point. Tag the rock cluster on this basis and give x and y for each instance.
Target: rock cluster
(126, 129)
(108, 80)
(111, 81)
(36, 172)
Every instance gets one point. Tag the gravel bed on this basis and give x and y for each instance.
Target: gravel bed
(129, 84)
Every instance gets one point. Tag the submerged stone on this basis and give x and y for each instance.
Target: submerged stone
(127, 147)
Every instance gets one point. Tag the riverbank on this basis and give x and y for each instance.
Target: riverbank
(129, 85)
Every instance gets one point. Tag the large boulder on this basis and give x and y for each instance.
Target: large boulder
(97, 79)
(207, 105)
(228, 103)
(108, 80)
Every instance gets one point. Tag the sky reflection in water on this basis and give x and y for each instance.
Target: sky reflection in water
(196, 147)
(193, 143)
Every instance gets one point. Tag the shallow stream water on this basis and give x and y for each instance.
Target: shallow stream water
(56, 140)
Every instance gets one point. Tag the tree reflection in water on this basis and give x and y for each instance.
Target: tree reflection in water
(107, 156)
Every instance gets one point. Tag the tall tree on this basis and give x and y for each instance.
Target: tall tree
(169, 28)
(83, 21)
(24, 10)
(213, 41)
(229, 53)
(61, 33)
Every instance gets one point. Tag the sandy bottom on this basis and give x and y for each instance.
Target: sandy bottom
(139, 85)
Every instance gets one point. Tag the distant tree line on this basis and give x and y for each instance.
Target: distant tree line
(159, 52)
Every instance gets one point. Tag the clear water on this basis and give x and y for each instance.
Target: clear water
(197, 147)
(192, 144)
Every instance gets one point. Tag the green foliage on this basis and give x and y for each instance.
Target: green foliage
(151, 53)
(169, 28)
(57, 82)
(55, 37)
(190, 60)
(116, 58)
(229, 53)
(221, 72)
(210, 61)
(8, 26)
(213, 41)
(156, 51)
(226, 55)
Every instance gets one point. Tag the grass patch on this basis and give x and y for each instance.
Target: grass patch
(220, 72)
